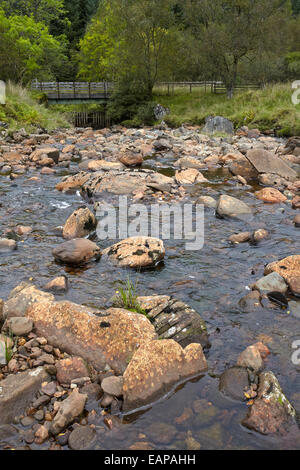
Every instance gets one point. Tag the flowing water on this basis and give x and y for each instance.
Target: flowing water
(211, 281)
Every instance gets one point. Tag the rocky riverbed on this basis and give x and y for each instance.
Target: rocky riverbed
(207, 361)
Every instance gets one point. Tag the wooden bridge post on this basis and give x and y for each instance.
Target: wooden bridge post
(89, 90)
(58, 93)
(74, 90)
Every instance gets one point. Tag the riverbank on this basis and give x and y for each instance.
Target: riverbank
(23, 110)
(267, 109)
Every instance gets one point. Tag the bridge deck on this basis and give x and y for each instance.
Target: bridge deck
(74, 90)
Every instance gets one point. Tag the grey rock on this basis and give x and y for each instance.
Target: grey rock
(19, 326)
(271, 283)
(69, 409)
(7, 245)
(218, 124)
(233, 208)
(17, 392)
(113, 386)
(82, 438)
(234, 382)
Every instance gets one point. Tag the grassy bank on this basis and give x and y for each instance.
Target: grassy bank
(270, 108)
(23, 110)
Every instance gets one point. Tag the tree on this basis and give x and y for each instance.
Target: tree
(229, 31)
(130, 38)
(27, 50)
(43, 11)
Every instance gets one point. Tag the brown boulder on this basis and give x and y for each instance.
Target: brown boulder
(79, 224)
(48, 152)
(78, 251)
(270, 195)
(58, 284)
(133, 159)
(267, 162)
(155, 367)
(73, 182)
(271, 412)
(243, 167)
(70, 369)
(289, 269)
(137, 252)
(99, 337)
(190, 176)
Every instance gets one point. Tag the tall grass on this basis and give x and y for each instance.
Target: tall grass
(269, 108)
(23, 110)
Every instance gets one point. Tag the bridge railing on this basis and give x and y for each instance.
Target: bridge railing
(74, 90)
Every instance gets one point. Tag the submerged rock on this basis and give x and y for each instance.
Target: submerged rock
(82, 438)
(137, 252)
(271, 412)
(155, 367)
(234, 382)
(78, 251)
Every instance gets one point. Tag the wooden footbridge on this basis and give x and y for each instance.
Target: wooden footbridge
(71, 91)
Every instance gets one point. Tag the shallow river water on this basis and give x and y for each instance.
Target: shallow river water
(211, 280)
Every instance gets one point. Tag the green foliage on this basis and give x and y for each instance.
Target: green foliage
(265, 109)
(130, 101)
(22, 110)
(27, 50)
(127, 297)
(43, 11)
(130, 38)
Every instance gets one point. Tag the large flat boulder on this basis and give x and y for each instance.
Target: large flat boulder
(155, 367)
(17, 392)
(100, 337)
(267, 162)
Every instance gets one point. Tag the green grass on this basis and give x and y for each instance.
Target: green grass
(22, 110)
(264, 109)
(127, 297)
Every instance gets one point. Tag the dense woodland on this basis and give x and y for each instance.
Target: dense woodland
(150, 40)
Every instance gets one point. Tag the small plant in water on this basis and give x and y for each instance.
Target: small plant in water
(127, 297)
